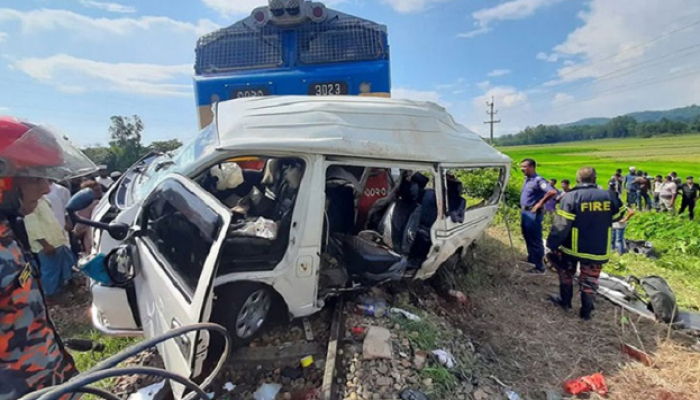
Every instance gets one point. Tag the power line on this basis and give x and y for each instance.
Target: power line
(615, 74)
(491, 113)
(628, 87)
(611, 56)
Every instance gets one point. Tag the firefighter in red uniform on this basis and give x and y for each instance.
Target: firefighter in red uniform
(32, 355)
(582, 233)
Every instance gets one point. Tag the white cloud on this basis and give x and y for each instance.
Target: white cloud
(4, 109)
(504, 97)
(483, 85)
(474, 33)
(511, 10)
(622, 33)
(411, 6)
(75, 75)
(498, 72)
(3, 36)
(107, 6)
(562, 98)
(554, 57)
(228, 8)
(419, 95)
(41, 20)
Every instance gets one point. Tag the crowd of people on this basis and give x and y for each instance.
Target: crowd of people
(642, 193)
(590, 220)
(54, 240)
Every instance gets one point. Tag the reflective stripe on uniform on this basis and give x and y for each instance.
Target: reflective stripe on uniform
(622, 212)
(566, 215)
(609, 240)
(574, 239)
(591, 257)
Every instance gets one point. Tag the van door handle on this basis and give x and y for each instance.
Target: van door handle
(183, 342)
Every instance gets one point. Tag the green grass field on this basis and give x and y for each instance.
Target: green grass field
(657, 156)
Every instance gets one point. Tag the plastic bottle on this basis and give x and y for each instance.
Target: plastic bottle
(373, 308)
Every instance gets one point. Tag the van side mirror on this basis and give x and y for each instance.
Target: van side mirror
(82, 200)
(119, 265)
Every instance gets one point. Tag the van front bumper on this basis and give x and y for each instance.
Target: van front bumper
(98, 323)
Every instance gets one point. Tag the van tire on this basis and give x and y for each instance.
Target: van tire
(245, 310)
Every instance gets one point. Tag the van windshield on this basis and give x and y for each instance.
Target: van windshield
(180, 161)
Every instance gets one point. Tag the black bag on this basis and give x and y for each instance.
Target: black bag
(642, 247)
(662, 300)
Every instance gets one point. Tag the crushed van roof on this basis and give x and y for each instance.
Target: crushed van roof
(368, 127)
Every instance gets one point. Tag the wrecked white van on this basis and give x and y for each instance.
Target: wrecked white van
(285, 201)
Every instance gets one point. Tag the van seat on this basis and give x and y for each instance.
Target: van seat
(372, 261)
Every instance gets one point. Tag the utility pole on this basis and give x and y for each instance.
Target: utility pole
(491, 113)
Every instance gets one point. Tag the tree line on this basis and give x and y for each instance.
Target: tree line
(619, 127)
(126, 147)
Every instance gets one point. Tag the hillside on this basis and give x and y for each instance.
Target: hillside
(655, 155)
(683, 114)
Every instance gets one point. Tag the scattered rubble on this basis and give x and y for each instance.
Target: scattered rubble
(377, 344)
(408, 367)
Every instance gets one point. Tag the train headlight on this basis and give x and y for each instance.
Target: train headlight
(293, 8)
(277, 8)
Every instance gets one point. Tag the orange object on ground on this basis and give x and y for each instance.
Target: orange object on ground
(593, 383)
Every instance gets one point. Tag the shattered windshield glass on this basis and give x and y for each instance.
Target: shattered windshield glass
(179, 161)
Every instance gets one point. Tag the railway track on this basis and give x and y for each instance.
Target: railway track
(250, 366)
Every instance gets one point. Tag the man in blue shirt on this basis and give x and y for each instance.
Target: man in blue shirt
(535, 193)
(631, 187)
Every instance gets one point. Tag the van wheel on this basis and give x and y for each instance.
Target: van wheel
(244, 310)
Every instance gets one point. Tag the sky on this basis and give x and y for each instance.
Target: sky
(74, 63)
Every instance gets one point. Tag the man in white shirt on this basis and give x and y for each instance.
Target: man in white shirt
(49, 242)
(58, 197)
(667, 196)
(104, 178)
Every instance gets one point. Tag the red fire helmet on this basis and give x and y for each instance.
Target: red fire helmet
(38, 151)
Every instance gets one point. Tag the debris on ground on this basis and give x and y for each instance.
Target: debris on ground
(307, 361)
(642, 247)
(149, 392)
(507, 330)
(459, 296)
(308, 330)
(369, 306)
(409, 316)
(377, 344)
(445, 358)
(511, 395)
(292, 373)
(637, 354)
(267, 391)
(588, 384)
(309, 394)
(125, 385)
(412, 394)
